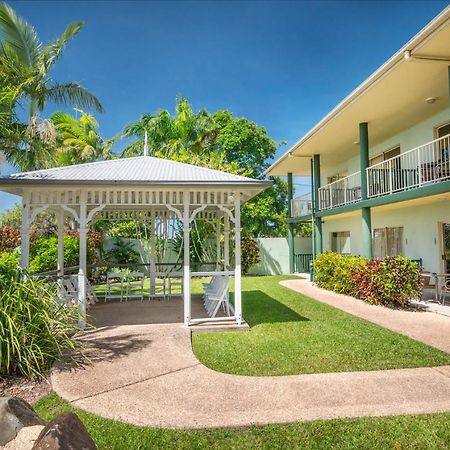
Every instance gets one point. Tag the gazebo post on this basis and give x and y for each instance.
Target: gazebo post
(186, 260)
(226, 242)
(60, 225)
(25, 231)
(218, 230)
(82, 261)
(152, 253)
(237, 252)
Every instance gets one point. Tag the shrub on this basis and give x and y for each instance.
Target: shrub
(9, 238)
(392, 281)
(250, 254)
(9, 268)
(122, 252)
(334, 272)
(34, 329)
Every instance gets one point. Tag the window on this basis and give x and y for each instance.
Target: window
(340, 242)
(388, 154)
(387, 242)
(443, 130)
(336, 177)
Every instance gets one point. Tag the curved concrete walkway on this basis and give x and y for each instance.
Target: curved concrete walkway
(148, 375)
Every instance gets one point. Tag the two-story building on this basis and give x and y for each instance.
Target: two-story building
(380, 161)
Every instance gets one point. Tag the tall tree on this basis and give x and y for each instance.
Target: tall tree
(23, 55)
(78, 140)
(168, 135)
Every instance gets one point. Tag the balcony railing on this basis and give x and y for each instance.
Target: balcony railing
(301, 205)
(341, 192)
(428, 163)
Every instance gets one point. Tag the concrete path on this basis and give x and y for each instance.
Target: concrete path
(146, 374)
(430, 328)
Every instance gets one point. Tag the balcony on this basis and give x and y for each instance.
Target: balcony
(428, 163)
(341, 192)
(301, 205)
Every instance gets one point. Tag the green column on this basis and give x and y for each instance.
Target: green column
(317, 220)
(290, 225)
(366, 220)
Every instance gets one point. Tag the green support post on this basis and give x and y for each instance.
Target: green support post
(317, 221)
(290, 225)
(366, 220)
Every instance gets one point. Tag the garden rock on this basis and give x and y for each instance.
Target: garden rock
(15, 414)
(65, 432)
(25, 439)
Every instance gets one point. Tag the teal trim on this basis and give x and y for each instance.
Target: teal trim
(315, 181)
(290, 225)
(363, 156)
(366, 221)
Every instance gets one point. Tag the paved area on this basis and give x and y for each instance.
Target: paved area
(428, 327)
(147, 374)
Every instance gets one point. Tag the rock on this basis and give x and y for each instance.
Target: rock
(15, 414)
(66, 432)
(25, 438)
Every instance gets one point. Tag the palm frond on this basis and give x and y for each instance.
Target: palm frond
(20, 35)
(73, 93)
(52, 52)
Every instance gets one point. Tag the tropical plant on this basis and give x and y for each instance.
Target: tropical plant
(9, 268)
(168, 136)
(250, 254)
(122, 252)
(26, 62)
(9, 238)
(78, 140)
(35, 330)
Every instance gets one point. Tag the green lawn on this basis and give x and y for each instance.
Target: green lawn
(293, 334)
(430, 431)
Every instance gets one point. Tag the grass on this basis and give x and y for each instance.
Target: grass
(430, 431)
(293, 334)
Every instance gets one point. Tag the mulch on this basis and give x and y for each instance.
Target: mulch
(29, 390)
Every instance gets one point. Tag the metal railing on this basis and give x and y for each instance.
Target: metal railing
(302, 262)
(428, 163)
(341, 192)
(301, 205)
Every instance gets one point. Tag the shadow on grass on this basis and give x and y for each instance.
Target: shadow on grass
(259, 308)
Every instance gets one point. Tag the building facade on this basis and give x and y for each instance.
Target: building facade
(380, 161)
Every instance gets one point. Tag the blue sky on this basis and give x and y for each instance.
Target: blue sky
(283, 64)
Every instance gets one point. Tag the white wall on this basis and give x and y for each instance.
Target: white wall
(274, 254)
(421, 230)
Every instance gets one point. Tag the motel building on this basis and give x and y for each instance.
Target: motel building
(380, 161)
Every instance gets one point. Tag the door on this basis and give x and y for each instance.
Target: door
(446, 247)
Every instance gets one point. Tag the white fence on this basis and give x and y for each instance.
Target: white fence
(341, 192)
(428, 163)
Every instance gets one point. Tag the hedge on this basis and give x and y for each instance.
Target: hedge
(391, 281)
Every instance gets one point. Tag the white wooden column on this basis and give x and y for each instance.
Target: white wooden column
(60, 225)
(82, 262)
(237, 252)
(152, 253)
(186, 260)
(25, 231)
(218, 232)
(226, 242)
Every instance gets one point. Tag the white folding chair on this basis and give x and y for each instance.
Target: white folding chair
(114, 286)
(135, 285)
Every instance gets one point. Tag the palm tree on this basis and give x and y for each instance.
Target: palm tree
(78, 140)
(23, 55)
(186, 132)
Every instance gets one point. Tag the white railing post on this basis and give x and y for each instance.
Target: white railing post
(419, 167)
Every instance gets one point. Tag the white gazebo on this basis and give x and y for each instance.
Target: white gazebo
(159, 189)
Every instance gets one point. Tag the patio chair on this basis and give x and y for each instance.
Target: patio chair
(135, 285)
(160, 285)
(216, 296)
(114, 286)
(444, 289)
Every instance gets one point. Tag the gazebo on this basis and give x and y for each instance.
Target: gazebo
(162, 190)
